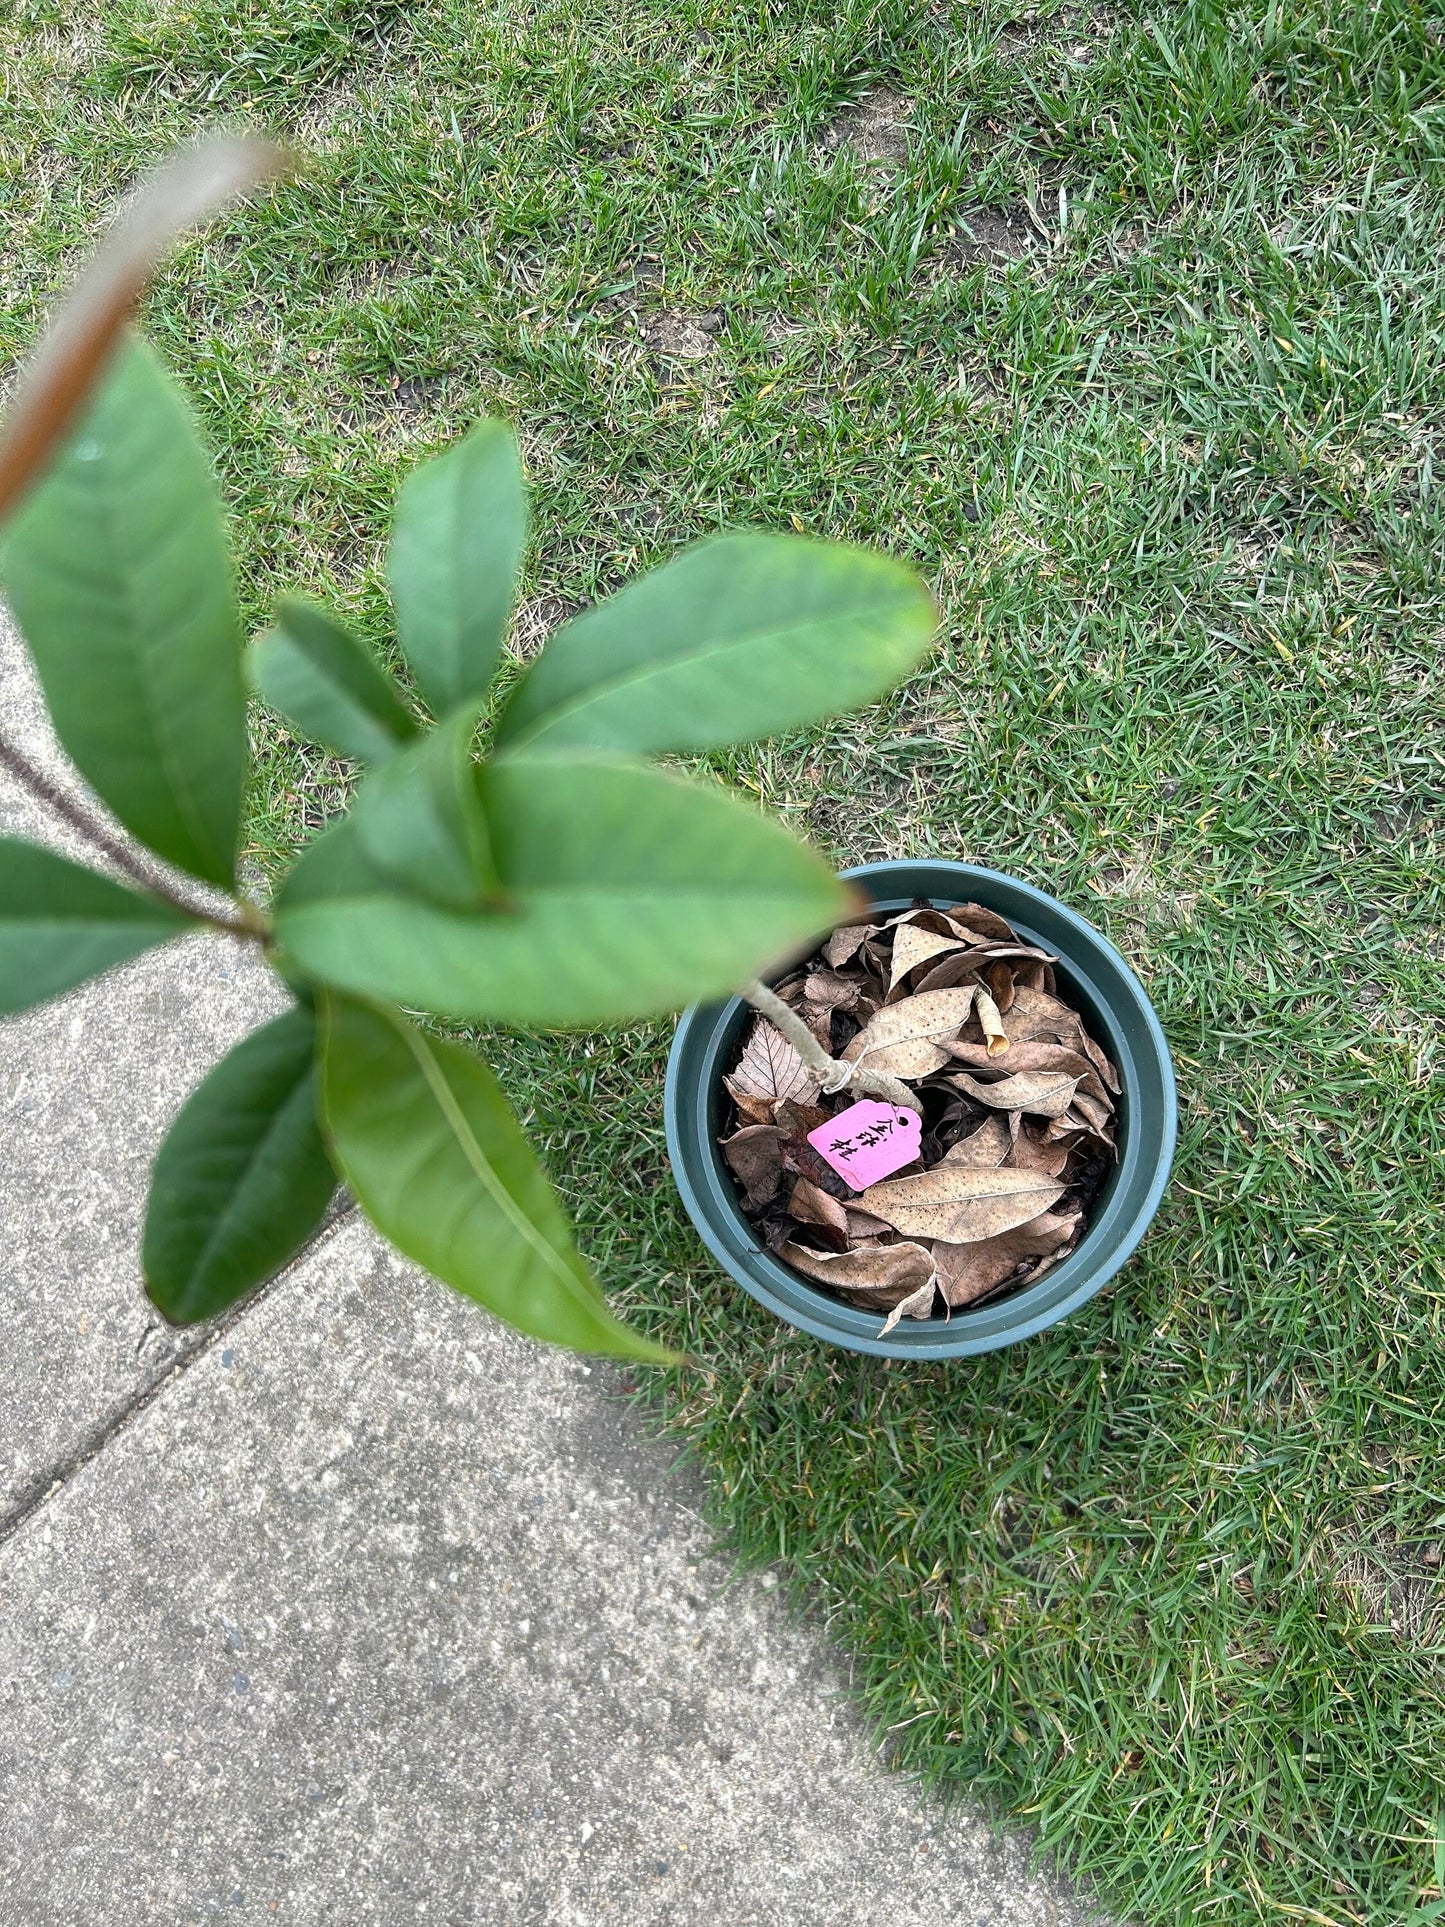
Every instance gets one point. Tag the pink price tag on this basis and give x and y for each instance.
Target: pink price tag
(868, 1141)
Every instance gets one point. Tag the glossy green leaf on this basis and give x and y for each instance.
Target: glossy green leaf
(738, 638)
(429, 1145)
(629, 891)
(243, 1177)
(116, 567)
(421, 823)
(60, 924)
(461, 523)
(326, 681)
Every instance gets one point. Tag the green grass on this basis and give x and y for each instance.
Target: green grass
(1165, 1582)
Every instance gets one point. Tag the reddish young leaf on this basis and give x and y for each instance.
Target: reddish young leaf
(55, 387)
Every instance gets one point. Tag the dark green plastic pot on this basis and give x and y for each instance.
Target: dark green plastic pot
(1096, 980)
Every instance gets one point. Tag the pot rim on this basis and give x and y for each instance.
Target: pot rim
(1118, 1011)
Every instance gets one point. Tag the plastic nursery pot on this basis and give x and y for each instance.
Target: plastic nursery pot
(1095, 979)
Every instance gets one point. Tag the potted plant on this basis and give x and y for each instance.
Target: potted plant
(510, 855)
(1092, 980)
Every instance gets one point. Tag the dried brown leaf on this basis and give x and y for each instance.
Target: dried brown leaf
(1101, 1063)
(1013, 954)
(990, 1022)
(1042, 1093)
(802, 1160)
(771, 1069)
(757, 1110)
(755, 1155)
(903, 1039)
(845, 941)
(1074, 1123)
(874, 957)
(1029, 1153)
(918, 1304)
(948, 972)
(958, 1203)
(809, 1205)
(1039, 1054)
(829, 991)
(1036, 1014)
(987, 924)
(985, 1149)
(1097, 1116)
(862, 1224)
(798, 1119)
(819, 1021)
(913, 945)
(1035, 976)
(967, 1271)
(1000, 981)
(885, 1272)
(923, 917)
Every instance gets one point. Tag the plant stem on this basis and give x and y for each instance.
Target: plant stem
(248, 921)
(832, 1073)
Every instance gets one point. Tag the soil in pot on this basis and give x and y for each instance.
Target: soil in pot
(1014, 1105)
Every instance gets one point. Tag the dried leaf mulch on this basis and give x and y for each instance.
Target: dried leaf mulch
(1017, 1103)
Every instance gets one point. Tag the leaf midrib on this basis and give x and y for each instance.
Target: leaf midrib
(485, 1172)
(180, 790)
(705, 888)
(966, 1193)
(278, 1115)
(609, 686)
(88, 922)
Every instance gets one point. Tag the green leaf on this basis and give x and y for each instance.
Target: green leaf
(439, 1164)
(243, 1177)
(629, 892)
(60, 924)
(116, 568)
(461, 522)
(421, 823)
(326, 681)
(738, 638)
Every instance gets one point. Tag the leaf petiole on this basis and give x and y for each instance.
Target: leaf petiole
(249, 921)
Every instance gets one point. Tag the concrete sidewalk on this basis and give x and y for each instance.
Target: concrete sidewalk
(360, 1609)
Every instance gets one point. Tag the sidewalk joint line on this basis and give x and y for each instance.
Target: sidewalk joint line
(49, 1484)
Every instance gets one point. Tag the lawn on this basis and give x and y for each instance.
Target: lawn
(1124, 326)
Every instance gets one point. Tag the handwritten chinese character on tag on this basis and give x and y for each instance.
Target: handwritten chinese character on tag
(868, 1141)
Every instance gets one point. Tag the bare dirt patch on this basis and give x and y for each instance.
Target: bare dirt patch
(876, 128)
(992, 234)
(1395, 1585)
(1077, 33)
(674, 337)
(418, 397)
